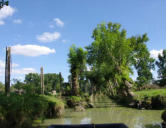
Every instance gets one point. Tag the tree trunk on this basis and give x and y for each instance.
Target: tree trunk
(75, 84)
(42, 80)
(7, 71)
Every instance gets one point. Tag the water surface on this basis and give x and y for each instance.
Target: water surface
(133, 118)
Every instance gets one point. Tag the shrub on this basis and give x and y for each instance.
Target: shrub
(19, 111)
(73, 101)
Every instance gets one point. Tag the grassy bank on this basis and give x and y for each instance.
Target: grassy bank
(19, 111)
(150, 93)
(150, 99)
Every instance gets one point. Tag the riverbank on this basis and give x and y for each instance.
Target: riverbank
(150, 99)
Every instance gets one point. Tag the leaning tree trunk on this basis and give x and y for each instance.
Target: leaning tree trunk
(75, 84)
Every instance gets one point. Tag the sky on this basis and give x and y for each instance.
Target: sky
(40, 32)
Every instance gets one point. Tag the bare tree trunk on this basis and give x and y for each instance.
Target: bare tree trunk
(42, 80)
(7, 70)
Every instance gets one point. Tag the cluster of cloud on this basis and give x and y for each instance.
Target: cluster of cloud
(154, 53)
(5, 12)
(23, 71)
(31, 50)
(47, 37)
(59, 22)
(2, 64)
(15, 70)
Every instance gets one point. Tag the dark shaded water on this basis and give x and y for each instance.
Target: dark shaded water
(131, 117)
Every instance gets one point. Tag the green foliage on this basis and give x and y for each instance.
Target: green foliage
(18, 110)
(55, 106)
(18, 84)
(33, 81)
(142, 60)
(150, 93)
(77, 61)
(109, 56)
(2, 87)
(73, 101)
(52, 81)
(161, 63)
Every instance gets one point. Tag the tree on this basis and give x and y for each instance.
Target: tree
(111, 57)
(18, 84)
(161, 64)
(32, 80)
(142, 60)
(52, 81)
(77, 61)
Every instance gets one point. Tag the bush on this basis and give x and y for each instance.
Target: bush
(55, 106)
(19, 111)
(73, 101)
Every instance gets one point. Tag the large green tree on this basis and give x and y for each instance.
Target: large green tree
(111, 57)
(161, 63)
(77, 61)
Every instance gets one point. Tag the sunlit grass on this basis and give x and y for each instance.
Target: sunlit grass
(150, 93)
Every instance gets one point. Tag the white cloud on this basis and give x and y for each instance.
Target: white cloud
(19, 71)
(31, 50)
(59, 22)
(23, 71)
(5, 12)
(17, 21)
(2, 64)
(154, 53)
(2, 22)
(48, 37)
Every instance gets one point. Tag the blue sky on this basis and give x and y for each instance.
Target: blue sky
(40, 32)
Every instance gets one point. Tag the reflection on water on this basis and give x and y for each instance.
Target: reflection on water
(131, 117)
(85, 121)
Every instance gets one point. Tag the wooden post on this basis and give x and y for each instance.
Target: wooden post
(60, 82)
(7, 70)
(42, 80)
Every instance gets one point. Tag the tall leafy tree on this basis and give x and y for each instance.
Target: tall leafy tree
(142, 60)
(112, 55)
(161, 63)
(77, 61)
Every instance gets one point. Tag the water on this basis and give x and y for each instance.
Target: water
(131, 117)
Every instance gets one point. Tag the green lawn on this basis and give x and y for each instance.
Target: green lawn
(150, 93)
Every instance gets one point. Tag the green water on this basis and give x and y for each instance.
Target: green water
(131, 117)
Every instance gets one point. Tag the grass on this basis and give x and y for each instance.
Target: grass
(53, 99)
(150, 93)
